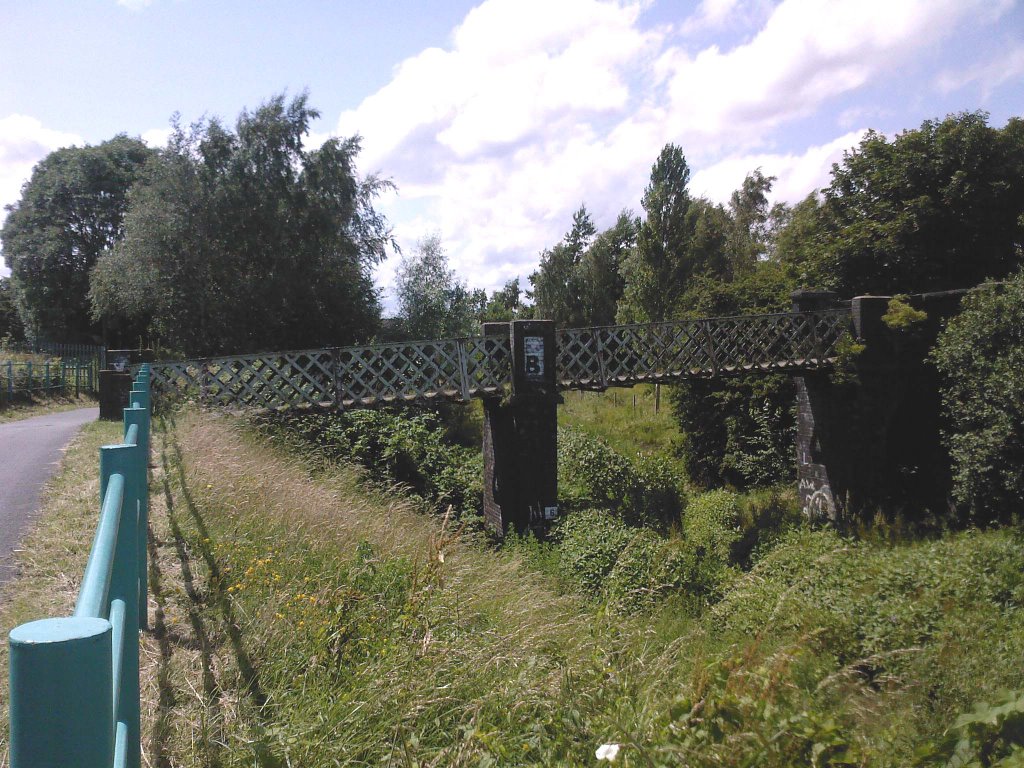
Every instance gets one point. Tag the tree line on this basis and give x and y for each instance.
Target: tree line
(237, 239)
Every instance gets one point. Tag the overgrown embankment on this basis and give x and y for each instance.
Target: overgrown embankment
(331, 624)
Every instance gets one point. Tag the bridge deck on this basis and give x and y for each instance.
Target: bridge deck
(458, 369)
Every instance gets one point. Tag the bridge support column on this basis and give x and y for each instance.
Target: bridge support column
(868, 439)
(520, 442)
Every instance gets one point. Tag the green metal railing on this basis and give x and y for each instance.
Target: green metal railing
(74, 692)
(49, 376)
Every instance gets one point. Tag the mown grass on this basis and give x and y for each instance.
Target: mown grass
(48, 566)
(325, 623)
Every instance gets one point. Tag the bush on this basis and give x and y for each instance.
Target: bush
(590, 543)
(635, 582)
(980, 356)
(738, 431)
(711, 524)
(592, 474)
(403, 446)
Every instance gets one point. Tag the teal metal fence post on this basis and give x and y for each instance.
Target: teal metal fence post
(78, 378)
(61, 676)
(125, 460)
(10, 380)
(139, 417)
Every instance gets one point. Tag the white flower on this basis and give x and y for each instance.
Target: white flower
(607, 752)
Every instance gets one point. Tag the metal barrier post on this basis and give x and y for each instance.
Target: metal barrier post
(60, 705)
(139, 417)
(125, 460)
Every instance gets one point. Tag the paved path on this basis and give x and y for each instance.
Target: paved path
(30, 451)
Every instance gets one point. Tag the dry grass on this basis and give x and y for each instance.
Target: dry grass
(209, 638)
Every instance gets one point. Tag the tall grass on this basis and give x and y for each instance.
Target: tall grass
(337, 626)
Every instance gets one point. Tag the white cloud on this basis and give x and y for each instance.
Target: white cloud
(989, 75)
(135, 5)
(807, 53)
(157, 137)
(24, 141)
(534, 108)
(796, 174)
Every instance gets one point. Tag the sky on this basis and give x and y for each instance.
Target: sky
(496, 120)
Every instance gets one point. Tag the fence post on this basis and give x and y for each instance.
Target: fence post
(10, 380)
(126, 460)
(139, 416)
(28, 380)
(78, 378)
(60, 682)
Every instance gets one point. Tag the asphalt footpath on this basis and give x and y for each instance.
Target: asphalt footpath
(30, 451)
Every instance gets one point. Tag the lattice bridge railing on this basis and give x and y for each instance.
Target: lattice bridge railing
(458, 369)
(624, 355)
(345, 377)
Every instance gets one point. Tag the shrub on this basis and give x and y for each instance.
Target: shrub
(590, 543)
(635, 581)
(403, 446)
(711, 524)
(980, 356)
(592, 473)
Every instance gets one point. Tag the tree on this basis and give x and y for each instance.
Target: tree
(750, 230)
(432, 302)
(556, 283)
(504, 304)
(600, 271)
(980, 355)
(242, 240)
(936, 208)
(658, 268)
(10, 324)
(71, 211)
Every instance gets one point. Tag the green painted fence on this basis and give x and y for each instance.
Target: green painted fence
(64, 376)
(74, 681)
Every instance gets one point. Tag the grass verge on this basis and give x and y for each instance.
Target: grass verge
(306, 620)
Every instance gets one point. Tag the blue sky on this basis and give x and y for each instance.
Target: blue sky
(497, 119)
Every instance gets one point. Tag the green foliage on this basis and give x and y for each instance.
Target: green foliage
(937, 207)
(432, 303)
(579, 281)
(399, 447)
(242, 240)
(900, 316)
(980, 356)
(711, 524)
(637, 580)
(504, 304)
(750, 232)
(658, 268)
(71, 212)
(828, 652)
(590, 541)
(739, 430)
(990, 734)
(591, 473)
(11, 329)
